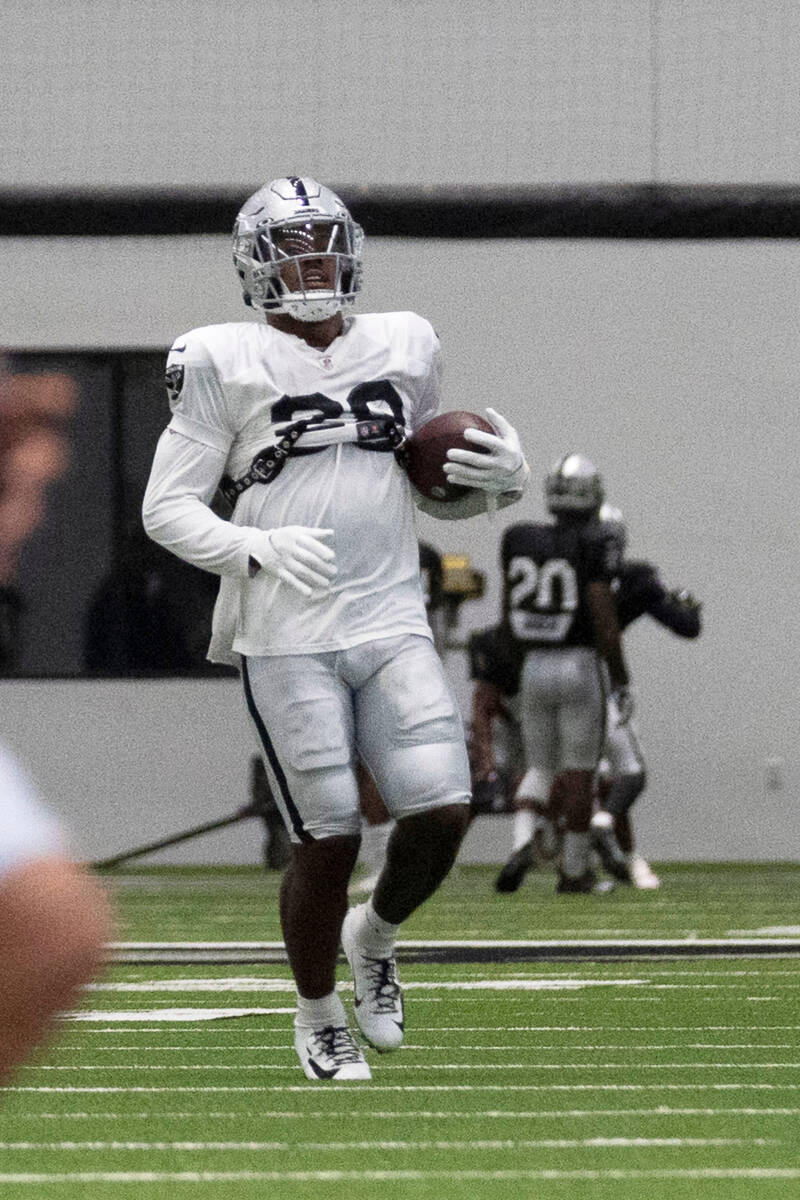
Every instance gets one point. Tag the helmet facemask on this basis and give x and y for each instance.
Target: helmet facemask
(307, 267)
(298, 251)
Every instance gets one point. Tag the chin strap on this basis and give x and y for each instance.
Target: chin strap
(307, 436)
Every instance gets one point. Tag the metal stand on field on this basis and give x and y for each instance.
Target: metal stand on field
(262, 805)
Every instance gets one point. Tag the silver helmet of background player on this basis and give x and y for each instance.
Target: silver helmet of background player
(573, 485)
(296, 220)
(614, 522)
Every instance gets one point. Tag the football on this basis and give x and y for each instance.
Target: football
(426, 453)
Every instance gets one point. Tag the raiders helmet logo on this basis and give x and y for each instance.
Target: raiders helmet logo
(174, 381)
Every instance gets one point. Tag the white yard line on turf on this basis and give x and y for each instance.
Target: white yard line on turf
(750, 1173)
(594, 1143)
(281, 1046)
(172, 1014)
(248, 984)
(395, 1066)
(421, 1114)
(328, 1087)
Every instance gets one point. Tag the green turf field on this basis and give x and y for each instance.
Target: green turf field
(660, 1076)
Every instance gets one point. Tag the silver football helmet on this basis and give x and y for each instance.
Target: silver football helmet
(295, 223)
(614, 521)
(573, 485)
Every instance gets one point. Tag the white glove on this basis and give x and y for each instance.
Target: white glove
(296, 555)
(501, 467)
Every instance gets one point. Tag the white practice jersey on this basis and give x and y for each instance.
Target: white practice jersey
(233, 389)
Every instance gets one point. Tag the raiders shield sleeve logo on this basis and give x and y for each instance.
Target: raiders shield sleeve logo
(174, 380)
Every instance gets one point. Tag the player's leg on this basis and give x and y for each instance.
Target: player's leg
(410, 734)
(611, 825)
(623, 829)
(581, 727)
(604, 828)
(575, 874)
(376, 829)
(302, 712)
(535, 832)
(54, 924)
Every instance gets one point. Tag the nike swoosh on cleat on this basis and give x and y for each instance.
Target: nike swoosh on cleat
(178, 349)
(319, 1071)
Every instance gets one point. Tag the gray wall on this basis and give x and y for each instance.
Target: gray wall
(673, 364)
(98, 93)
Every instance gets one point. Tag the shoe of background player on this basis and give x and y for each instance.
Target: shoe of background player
(378, 997)
(330, 1053)
(364, 886)
(604, 841)
(584, 884)
(516, 868)
(642, 875)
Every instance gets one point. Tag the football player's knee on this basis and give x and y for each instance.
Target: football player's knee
(449, 822)
(326, 862)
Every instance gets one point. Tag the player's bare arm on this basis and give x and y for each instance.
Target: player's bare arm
(487, 704)
(608, 639)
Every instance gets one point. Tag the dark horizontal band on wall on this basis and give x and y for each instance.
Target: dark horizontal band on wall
(574, 211)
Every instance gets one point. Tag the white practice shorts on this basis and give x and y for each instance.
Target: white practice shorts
(27, 831)
(387, 701)
(562, 710)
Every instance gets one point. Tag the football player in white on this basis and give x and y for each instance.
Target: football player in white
(320, 604)
(54, 916)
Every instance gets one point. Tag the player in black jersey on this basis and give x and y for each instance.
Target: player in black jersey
(622, 777)
(559, 608)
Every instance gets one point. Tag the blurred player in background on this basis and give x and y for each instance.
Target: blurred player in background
(559, 607)
(54, 917)
(622, 774)
(496, 753)
(320, 603)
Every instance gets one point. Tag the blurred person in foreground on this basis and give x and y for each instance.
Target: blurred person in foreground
(296, 416)
(54, 916)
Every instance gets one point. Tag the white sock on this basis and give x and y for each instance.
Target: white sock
(374, 839)
(376, 934)
(524, 820)
(316, 1014)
